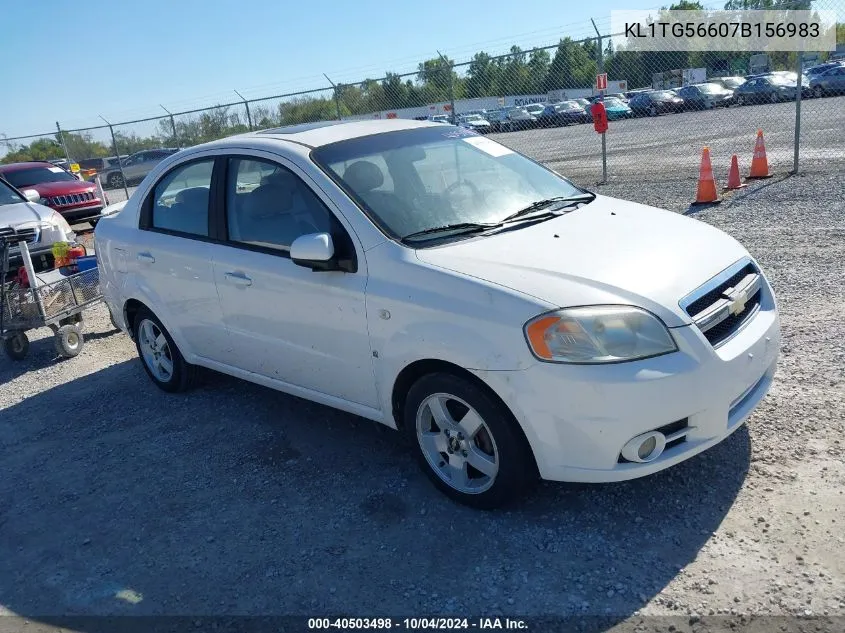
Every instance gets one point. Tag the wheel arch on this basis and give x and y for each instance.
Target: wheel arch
(419, 368)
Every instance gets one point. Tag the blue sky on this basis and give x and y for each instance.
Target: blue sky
(72, 61)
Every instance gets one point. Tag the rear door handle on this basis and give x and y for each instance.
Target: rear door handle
(238, 278)
(146, 258)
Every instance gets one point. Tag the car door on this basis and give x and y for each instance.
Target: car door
(173, 257)
(286, 322)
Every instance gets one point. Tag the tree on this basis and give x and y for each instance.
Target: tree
(571, 67)
(685, 5)
(481, 76)
(745, 5)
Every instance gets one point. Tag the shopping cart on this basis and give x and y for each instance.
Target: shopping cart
(54, 298)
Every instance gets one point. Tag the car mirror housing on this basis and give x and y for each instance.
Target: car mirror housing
(314, 251)
(31, 195)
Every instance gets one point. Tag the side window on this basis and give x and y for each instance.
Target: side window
(268, 205)
(180, 199)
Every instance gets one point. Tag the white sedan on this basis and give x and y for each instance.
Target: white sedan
(514, 325)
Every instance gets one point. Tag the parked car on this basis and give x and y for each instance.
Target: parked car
(135, 167)
(475, 122)
(731, 83)
(535, 110)
(655, 102)
(497, 118)
(101, 164)
(19, 210)
(821, 68)
(705, 96)
(616, 109)
(519, 119)
(831, 81)
(76, 200)
(766, 88)
(563, 113)
(511, 324)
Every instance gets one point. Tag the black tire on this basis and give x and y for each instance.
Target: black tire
(69, 340)
(183, 376)
(16, 346)
(517, 471)
(774, 98)
(652, 111)
(818, 92)
(115, 181)
(740, 100)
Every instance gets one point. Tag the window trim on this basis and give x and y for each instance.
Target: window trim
(220, 213)
(145, 218)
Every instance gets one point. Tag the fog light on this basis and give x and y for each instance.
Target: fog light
(647, 447)
(644, 448)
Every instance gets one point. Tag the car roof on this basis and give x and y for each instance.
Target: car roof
(326, 132)
(19, 166)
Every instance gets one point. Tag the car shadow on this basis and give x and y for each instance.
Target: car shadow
(118, 499)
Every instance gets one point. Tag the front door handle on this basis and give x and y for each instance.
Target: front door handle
(238, 278)
(146, 258)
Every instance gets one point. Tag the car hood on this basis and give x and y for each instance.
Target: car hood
(23, 213)
(49, 189)
(609, 251)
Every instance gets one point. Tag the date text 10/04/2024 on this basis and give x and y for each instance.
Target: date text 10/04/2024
(418, 624)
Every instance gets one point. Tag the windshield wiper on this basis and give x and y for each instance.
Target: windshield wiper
(459, 227)
(548, 202)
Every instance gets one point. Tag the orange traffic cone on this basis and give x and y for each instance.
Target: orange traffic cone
(733, 175)
(706, 182)
(760, 164)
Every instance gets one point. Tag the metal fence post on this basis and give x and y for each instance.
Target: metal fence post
(172, 124)
(336, 96)
(448, 67)
(600, 65)
(797, 142)
(248, 114)
(62, 141)
(117, 155)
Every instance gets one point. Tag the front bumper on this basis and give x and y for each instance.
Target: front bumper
(81, 214)
(578, 418)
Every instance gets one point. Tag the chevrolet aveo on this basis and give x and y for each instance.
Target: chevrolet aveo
(512, 324)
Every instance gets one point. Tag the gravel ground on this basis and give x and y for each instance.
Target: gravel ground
(116, 498)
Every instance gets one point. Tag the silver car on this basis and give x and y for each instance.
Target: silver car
(831, 81)
(135, 167)
(18, 212)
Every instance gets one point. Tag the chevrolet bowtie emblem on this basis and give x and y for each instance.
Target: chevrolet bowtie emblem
(738, 300)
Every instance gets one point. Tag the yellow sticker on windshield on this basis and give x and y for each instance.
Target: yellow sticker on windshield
(488, 147)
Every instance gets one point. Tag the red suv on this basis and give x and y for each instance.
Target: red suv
(75, 199)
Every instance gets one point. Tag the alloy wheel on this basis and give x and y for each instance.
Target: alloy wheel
(457, 443)
(155, 350)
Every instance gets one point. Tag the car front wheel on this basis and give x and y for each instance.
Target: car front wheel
(159, 355)
(115, 181)
(467, 443)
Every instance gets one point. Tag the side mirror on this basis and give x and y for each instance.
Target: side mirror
(314, 251)
(31, 195)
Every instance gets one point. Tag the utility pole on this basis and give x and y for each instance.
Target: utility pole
(336, 96)
(172, 124)
(246, 104)
(448, 67)
(117, 155)
(62, 141)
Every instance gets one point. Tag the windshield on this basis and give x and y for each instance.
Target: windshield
(570, 105)
(8, 195)
(733, 82)
(710, 89)
(36, 175)
(664, 94)
(472, 117)
(613, 102)
(412, 180)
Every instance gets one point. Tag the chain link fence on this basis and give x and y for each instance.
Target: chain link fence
(663, 108)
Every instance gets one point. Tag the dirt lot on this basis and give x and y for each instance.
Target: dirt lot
(116, 498)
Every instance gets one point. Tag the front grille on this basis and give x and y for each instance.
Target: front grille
(73, 198)
(725, 303)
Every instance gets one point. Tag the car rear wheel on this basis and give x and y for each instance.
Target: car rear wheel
(159, 355)
(818, 91)
(740, 100)
(115, 181)
(469, 446)
(652, 111)
(774, 98)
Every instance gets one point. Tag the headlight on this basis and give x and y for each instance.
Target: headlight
(598, 334)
